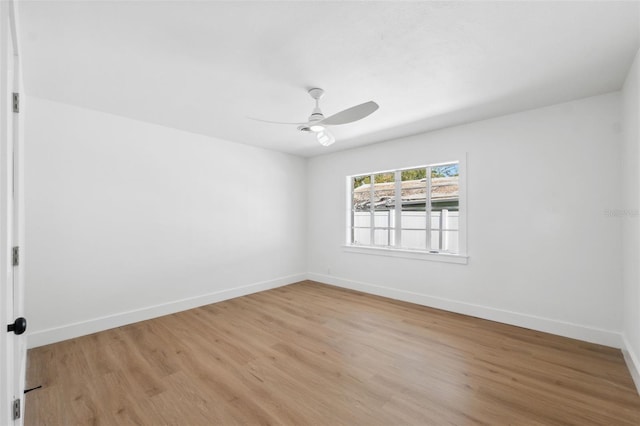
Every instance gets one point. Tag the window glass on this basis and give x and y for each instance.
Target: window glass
(361, 210)
(425, 203)
(384, 208)
(414, 196)
(444, 207)
(361, 193)
(414, 239)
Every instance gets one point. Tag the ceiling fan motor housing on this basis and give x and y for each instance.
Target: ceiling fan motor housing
(316, 114)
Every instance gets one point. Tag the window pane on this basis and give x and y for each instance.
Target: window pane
(435, 220)
(361, 209)
(414, 195)
(452, 220)
(444, 219)
(361, 218)
(450, 241)
(361, 193)
(384, 190)
(444, 187)
(414, 220)
(414, 239)
(362, 236)
(444, 207)
(435, 240)
(383, 219)
(382, 237)
(383, 200)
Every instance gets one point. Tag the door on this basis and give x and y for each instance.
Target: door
(12, 341)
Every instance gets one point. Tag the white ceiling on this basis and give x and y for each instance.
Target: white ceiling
(206, 66)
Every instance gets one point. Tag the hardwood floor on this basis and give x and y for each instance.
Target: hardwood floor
(310, 354)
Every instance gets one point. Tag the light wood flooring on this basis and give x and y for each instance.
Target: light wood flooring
(311, 354)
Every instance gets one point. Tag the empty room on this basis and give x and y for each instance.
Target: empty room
(319, 213)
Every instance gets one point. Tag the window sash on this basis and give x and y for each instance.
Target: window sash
(395, 225)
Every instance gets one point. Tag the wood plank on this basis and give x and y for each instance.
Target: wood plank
(312, 354)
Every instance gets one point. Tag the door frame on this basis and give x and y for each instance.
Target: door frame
(12, 347)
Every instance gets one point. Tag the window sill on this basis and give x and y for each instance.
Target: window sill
(408, 254)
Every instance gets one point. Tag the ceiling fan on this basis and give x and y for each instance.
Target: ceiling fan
(318, 124)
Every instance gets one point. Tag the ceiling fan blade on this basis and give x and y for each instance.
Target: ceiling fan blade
(352, 114)
(325, 137)
(274, 122)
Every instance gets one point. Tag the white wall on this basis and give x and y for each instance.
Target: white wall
(127, 220)
(543, 253)
(630, 218)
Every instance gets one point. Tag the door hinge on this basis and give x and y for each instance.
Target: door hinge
(16, 256)
(16, 102)
(16, 409)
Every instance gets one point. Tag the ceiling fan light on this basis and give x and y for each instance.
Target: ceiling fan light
(316, 128)
(325, 138)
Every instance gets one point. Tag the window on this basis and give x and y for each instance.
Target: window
(409, 209)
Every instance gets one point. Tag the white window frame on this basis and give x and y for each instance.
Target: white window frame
(461, 257)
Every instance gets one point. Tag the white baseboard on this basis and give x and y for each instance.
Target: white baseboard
(632, 360)
(547, 325)
(82, 328)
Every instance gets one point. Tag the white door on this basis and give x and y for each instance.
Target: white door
(12, 342)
